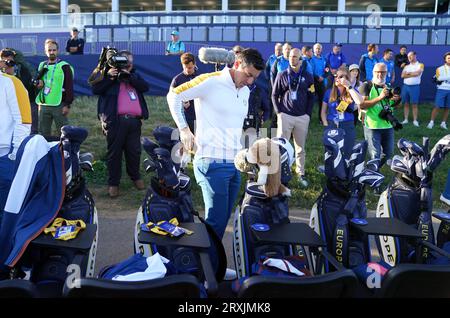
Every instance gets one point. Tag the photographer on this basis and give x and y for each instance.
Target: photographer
(55, 90)
(442, 80)
(121, 108)
(378, 102)
(13, 63)
(339, 106)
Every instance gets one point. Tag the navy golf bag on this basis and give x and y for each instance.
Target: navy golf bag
(257, 208)
(343, 200)
(169, 196)
(409, 199)
(47, 265)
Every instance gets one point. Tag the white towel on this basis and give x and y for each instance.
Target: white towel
(284, 265)
(155, 269)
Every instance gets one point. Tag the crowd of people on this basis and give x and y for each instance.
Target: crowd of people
(213, 111)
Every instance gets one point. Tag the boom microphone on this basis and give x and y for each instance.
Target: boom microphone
(215, 55)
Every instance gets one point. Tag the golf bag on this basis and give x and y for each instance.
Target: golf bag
(257, 208)
(343, 200)
(409, 198)
(169, 196)
(48, 266)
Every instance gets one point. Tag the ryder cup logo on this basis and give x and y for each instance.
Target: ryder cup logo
(332, 133)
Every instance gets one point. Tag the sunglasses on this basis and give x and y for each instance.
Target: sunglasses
(340, 76)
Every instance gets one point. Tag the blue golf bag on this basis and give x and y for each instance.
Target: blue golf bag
(56, 189)
(257, 208)
(409, 199)
(343, 200)
(169, 196)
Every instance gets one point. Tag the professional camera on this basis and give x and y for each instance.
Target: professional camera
(110, 58)
(9, 63)
(39, 76)
(386, 113)
(393, 91)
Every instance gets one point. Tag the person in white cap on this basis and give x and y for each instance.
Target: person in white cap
(354, 76)
(176, 46)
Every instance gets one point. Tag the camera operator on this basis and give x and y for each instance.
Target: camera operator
(379, 99)
(55, 90)
(13, 63)
(121, 108)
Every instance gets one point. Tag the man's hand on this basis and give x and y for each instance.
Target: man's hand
(187, 139)
(40, 84)
(384, 93)
(403, 65)
(113, 72)
(65, 110)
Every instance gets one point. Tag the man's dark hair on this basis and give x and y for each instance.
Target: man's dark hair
(445, 55)
(7, 52)
(287, 43)
(371, 47)
(387, 51)
(403, 46)
(251, 57)
(305, 49)
(187, 58)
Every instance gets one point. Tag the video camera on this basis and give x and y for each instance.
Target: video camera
(110, 58)
(386, 113)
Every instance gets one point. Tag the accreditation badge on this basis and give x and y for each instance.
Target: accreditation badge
(294, 95)
(132, 95)
(342, 106)
(47, 90)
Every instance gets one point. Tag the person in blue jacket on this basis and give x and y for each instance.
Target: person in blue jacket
(321, 71)
(367, 62)
(339, 105)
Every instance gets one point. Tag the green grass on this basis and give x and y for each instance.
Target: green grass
(84, 112)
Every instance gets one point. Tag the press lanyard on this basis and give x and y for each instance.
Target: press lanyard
(298, 83)
(53, 73)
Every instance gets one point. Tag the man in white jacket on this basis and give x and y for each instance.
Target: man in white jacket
(442, 93)
(221, 105)
(15, 126)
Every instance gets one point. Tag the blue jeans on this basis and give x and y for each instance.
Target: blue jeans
(220, 182)
(349, 138)
(380, 143)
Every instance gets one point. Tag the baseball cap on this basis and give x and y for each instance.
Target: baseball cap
(338, 44)
(74, 29)
(175, 32)
(353, 67)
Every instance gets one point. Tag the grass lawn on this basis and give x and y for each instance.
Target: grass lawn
(84, 112)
